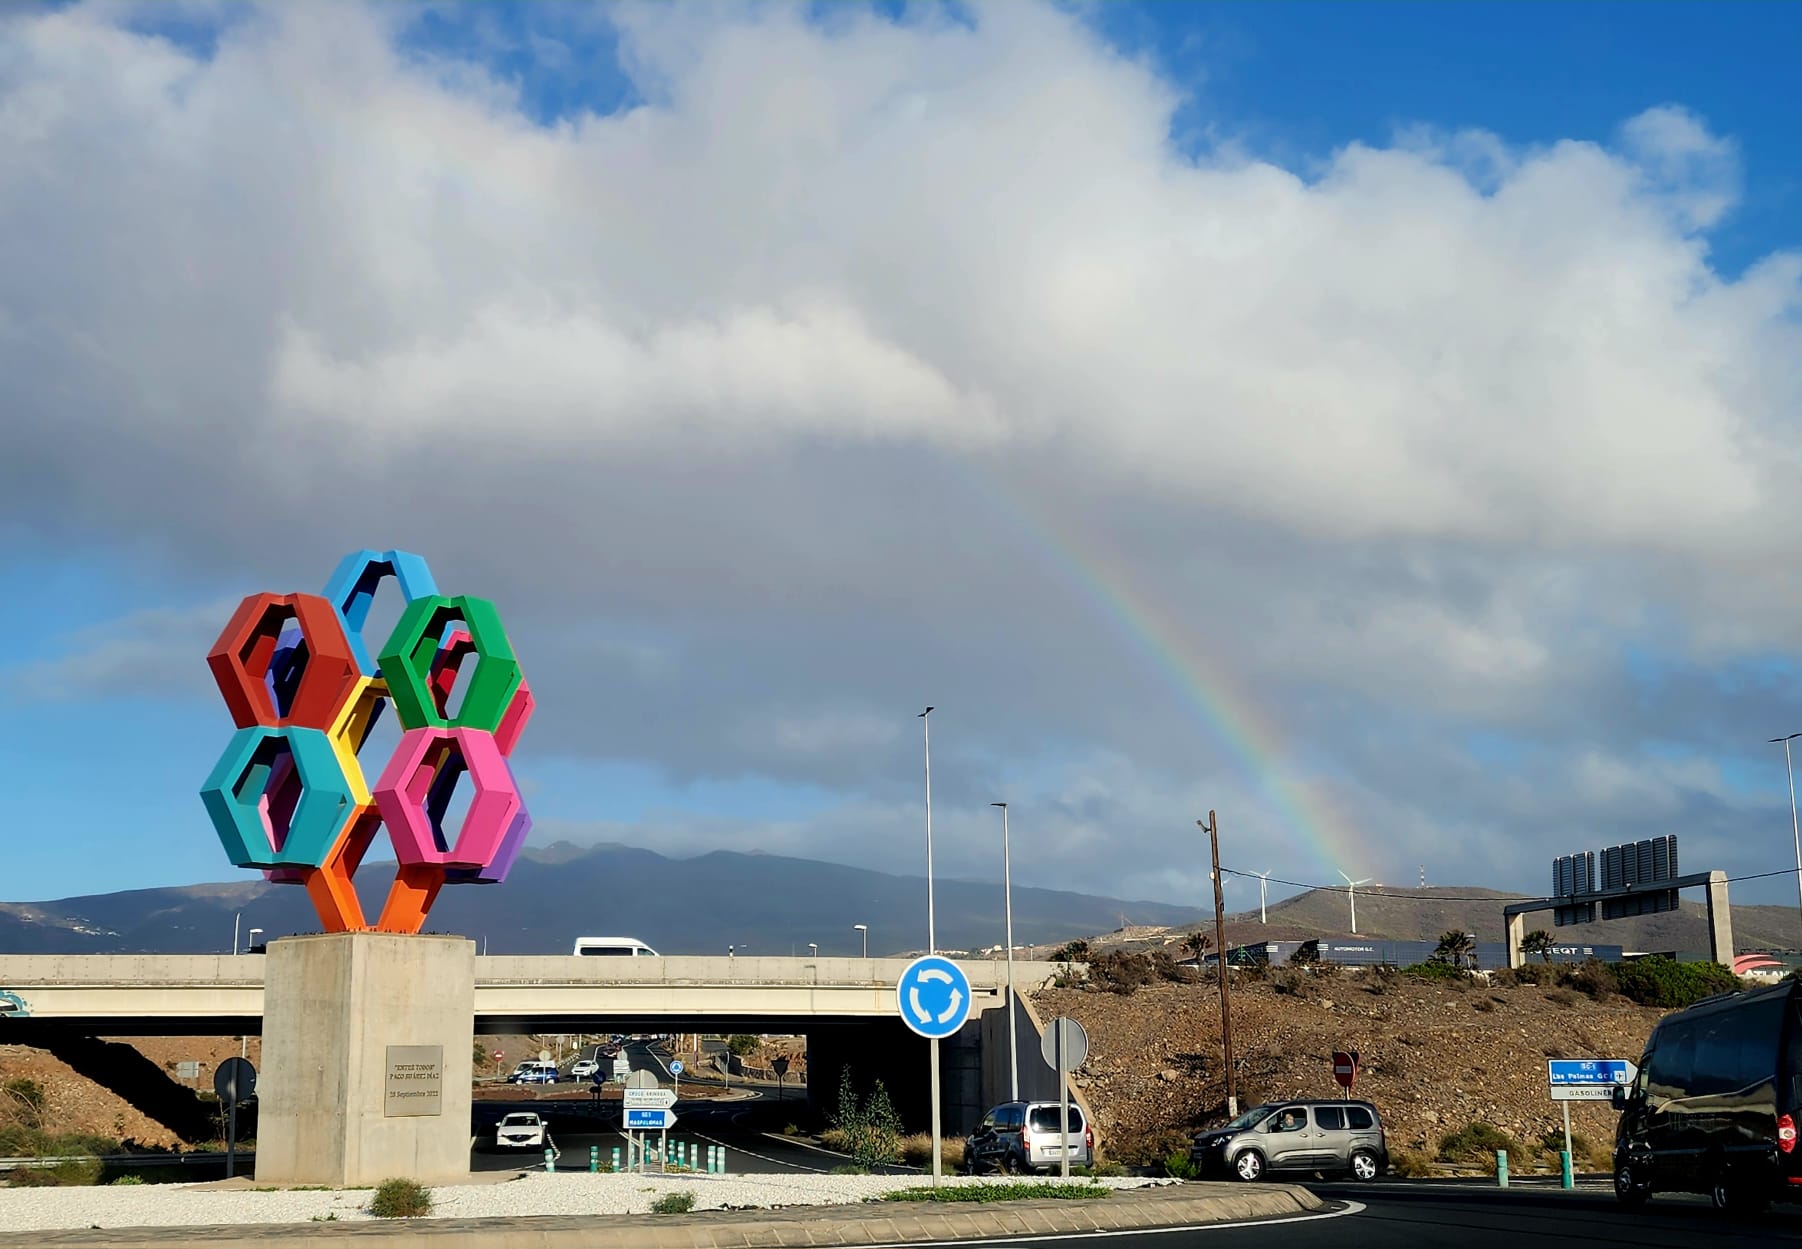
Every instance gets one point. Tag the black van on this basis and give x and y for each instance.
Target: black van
(1714, 1107)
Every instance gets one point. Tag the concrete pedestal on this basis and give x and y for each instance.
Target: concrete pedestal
(367, 1042)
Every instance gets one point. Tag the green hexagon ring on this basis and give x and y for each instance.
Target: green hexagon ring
(412, 653)
(278, 797)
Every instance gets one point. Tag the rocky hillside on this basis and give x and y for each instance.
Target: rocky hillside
(1434, 1057)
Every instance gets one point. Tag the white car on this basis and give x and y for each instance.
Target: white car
(520, 1130)
(583, 1068)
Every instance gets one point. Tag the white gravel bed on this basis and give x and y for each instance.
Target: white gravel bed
(190, 1205)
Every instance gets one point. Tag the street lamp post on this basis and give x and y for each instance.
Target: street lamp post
(864, 931)
(1795, 829)
(255, 935)
(813, 949)
(932, 945)
(1007, 890)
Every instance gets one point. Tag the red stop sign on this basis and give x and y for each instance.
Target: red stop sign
(1345, 1068)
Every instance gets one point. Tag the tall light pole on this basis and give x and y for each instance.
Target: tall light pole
(813, 949)
(1264, 892)
(864, 929)
(1351, 888)
(1007, 890)
(932, 944)
(1226, 1013)
(1795, 830)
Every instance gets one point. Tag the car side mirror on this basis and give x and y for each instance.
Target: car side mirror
(1619, 1096)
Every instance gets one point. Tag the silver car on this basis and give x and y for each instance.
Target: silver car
(1023, 1136)
(1335, 1137)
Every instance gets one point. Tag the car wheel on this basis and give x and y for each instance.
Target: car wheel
(1007, 1165)
(1628, 1190)
(1734, 1198)
(1363, 1165)
(1249, 1166)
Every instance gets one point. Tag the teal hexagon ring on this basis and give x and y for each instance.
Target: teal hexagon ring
(278, 797)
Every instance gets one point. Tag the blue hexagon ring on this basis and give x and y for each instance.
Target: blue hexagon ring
(353, 585)
(278, 797)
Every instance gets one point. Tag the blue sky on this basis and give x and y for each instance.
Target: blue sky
(1433, 364)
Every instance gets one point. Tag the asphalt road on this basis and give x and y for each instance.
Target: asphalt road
(1431, 1217)
(748, 1127)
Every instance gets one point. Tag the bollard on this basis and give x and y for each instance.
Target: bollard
(1501, 1168)
(594, 1158)
(550, 1161)
(1568, 1179)
(682, 1154)
(722, 1159)
(616, 1158)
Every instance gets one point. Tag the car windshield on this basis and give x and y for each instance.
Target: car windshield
(520, 1121)
(1250, 1119)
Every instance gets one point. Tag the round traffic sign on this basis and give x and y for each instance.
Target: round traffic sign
(933, 996)
(235, 1080)
(675, 1066)
(1345, 1068)
(1065, 1044)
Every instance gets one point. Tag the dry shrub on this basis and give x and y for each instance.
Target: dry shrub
(1410, 1164)
(916, 1150)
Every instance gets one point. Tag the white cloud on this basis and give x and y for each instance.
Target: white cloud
(1426, 432)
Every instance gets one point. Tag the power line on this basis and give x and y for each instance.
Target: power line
(1452, 897)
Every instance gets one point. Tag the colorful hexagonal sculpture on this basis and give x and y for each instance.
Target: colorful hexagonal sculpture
(278, 797)
(353, 585)
(414, 794)
(276, 675)
(290, 795)
(417, 652)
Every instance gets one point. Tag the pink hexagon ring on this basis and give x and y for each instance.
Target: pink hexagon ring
(415, 795)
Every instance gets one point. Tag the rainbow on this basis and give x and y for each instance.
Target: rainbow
(1231, 718)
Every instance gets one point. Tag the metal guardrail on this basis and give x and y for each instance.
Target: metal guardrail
(132, 1160)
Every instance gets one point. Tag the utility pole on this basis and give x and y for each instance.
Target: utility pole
(1226, 1013)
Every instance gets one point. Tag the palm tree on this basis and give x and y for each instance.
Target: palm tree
(1456, 947)
(1539, 942)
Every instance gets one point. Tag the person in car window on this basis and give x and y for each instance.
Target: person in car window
(1293, 1119)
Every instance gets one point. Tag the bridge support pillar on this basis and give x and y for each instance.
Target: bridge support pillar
(367, 1040)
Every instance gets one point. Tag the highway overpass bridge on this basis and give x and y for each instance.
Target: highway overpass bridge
(844, 1006)
(222, 995)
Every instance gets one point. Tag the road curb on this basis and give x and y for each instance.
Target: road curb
(886, 1223)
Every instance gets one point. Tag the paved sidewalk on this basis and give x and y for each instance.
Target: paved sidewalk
(883, 1223)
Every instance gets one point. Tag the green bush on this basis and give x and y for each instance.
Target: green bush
(741, 1044)
(1120, 972)
(125, 1180)
(1666, 983)
(1443, 972)
(22, 1105)
(1177, 1165)
(1596, 979)
(71, 1173)
(401, 1199)
(869, 1131)
(1476, 1142)
(673, 1203)
(1410, 1164)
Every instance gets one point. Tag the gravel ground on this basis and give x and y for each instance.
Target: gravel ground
(191, 1205)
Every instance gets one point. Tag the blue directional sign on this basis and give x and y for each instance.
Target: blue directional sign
(675, 1066)
(1587, 1079)
(933, 996)
(649, 1120)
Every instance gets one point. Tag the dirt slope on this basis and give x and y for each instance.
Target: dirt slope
(1433, 1058)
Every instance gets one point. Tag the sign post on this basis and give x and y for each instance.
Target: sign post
(675, 1074)
(1065, 1046)
(933, 997)
(234, 1080)
(1584, 1080)
(779, 1065)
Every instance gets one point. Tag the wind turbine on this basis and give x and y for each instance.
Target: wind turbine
(1263, 891)
(1351, 889)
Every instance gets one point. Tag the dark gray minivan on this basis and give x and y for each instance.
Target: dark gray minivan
(1335, 1137)
(1715, 1105)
